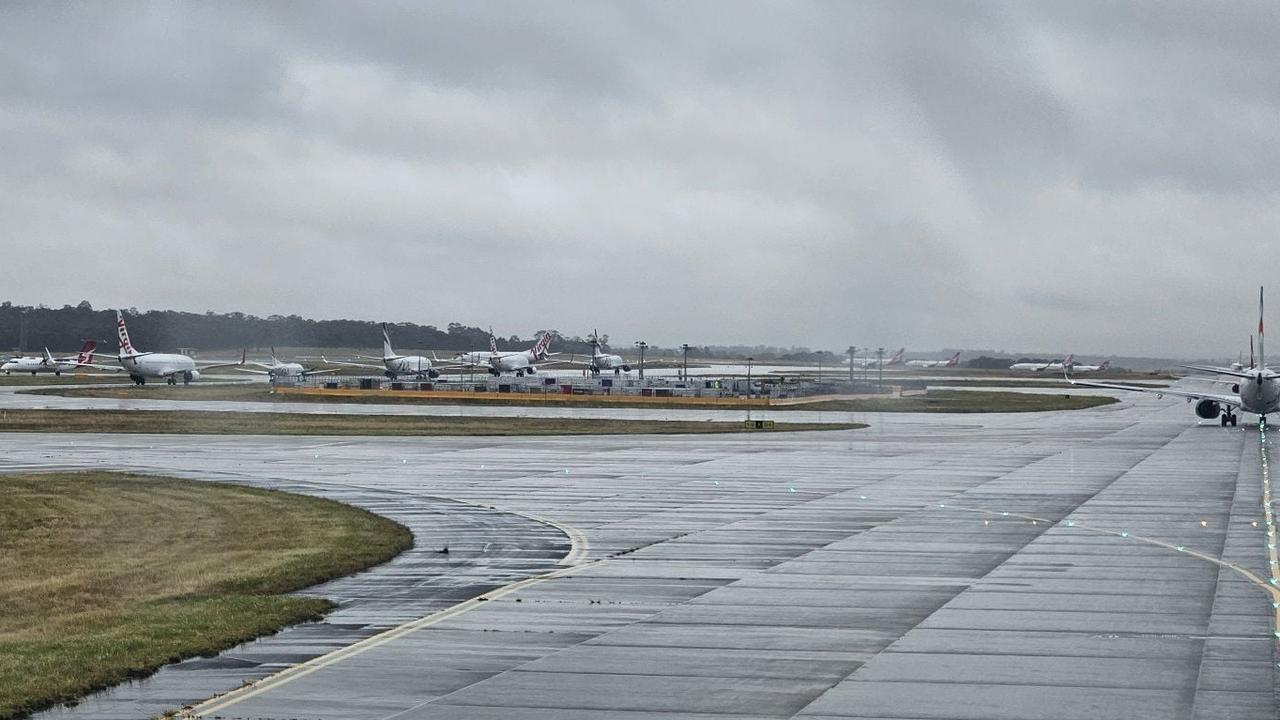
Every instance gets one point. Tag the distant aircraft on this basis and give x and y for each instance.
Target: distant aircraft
(600, 360)
(169, 366)
(393, 365)
(47, 363)
(952, 361)
(476, 358)
(1100, 367)
(894, 359)
(1256, 390)
(277, 369)
(519, 362)
(1041, 367)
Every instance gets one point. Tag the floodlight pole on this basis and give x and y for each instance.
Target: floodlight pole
(880, 364)
(684, 373)
(749, 361)
(853, 352)
(642, 345)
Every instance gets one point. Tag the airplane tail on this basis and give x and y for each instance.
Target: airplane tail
(48, 358)
(953, 361)
(126, 347)
(1262, 357)
(493, 342)
(540, 347)
(86, 353)
(1104, 365)
(1070, 361)
(1251, 360)
(386, 343)
(896, 359)
(274, 361)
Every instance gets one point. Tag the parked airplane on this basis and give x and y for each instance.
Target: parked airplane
(276, 369)
(47, 363)
(952, 361)
(1256, 390)
(894, 359)
(601, 360)
(1041, 367)
(393, 365)
(170, 366)
(476, 358)
(1100, 367)
(520, 362)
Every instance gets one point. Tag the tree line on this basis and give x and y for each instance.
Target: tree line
(31, 328)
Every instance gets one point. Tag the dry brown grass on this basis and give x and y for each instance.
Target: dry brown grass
(105, 577)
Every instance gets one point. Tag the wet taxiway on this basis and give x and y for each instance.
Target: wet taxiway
(1086, 564)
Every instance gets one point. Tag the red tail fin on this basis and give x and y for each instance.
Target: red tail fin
(86, 353)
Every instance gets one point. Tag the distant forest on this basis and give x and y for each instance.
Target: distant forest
(66, 329)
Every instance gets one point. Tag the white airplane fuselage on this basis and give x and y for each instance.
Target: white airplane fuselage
(406, 365)
(32, 364)
(517, 362)
(286, 370)
(159, 365)
(610, 362)
(1259, 396)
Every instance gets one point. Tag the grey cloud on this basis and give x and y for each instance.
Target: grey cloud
(1080, 176)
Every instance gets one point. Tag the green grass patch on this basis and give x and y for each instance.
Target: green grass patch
(962, 401)
(254, 423)
(105, 576)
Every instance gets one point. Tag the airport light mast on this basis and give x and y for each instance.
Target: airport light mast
(880, 365)
(642, 345)
(749, 361)
(684, 372)
(853, 353)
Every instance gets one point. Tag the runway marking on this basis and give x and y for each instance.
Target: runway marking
(574, 560)
(1271, 585)
(302, 670)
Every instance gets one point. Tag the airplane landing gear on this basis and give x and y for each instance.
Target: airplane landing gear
(186, 378)
(138, 380)
(172, 380)
(1231, 418)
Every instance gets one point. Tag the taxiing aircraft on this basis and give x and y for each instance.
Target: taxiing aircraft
(1254, 390)
(277, 369)
(393, 365)
(952, 361)
(170, 366)
(47, 363)
(894, 359)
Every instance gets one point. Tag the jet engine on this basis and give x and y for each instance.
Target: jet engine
(1208, 409)
(190, 376)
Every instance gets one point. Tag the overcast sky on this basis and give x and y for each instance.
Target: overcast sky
(1057, 175)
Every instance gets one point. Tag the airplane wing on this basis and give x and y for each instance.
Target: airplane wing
(95, 366)
(210, 366)
(255, 372)
(351, 364)
(1222, 371)
(1221, 399)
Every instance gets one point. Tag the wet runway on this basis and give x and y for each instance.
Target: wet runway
(1049, 565)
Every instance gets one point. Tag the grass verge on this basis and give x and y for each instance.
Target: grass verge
(20, 379)
(254, 423)
(105, 577)
(961, 401)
